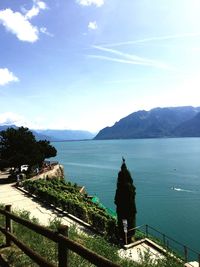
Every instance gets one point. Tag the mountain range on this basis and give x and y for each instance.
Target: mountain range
(65, 135)
(156, 123)
(56, 135)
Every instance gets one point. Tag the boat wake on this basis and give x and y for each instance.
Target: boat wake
(182, 190)
(90, 165)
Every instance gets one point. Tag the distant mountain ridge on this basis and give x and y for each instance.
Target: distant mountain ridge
(56, 135)
(66, 135)
(5, 127)
(37, 135)
(156, 123)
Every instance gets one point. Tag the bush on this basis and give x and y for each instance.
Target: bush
(66, 196)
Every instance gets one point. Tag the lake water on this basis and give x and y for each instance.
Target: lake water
(156, 165)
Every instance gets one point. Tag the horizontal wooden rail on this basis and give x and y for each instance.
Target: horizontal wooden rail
(29, 252)
(57, 237)
(35, 227)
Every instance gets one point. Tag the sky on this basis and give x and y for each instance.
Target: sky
(85, 64)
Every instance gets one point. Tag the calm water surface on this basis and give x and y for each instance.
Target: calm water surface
(156, 165)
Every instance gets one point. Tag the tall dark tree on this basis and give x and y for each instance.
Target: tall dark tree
(19, 147)
(125, 202)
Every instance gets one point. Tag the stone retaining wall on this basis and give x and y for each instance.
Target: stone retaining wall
(55, 171)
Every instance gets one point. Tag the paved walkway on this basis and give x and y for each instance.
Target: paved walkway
(19, 200)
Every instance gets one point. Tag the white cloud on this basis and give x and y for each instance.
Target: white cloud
(7, 76)
(19, 23)
(35, 10)
(45, 31)
(97, 3)
(16, 23)
(10, 118)
(92, 25)
(41, 5)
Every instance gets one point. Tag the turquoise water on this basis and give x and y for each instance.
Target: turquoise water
(156, 166)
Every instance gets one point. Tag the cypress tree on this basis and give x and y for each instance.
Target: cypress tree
(125, 202)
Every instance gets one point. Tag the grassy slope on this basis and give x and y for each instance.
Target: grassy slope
(48, 249)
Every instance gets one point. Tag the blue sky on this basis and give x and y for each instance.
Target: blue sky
(84, 64)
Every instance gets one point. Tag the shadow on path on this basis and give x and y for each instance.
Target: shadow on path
(6, 180)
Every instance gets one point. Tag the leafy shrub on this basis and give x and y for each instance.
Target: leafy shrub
(66, 196)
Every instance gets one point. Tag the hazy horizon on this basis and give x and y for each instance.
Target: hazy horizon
(84, 130)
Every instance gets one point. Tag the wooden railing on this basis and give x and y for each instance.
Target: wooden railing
(60, 237)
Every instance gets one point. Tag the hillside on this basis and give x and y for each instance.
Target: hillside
(189, 128)
(62, 135)
(156, 123)
(5, 127)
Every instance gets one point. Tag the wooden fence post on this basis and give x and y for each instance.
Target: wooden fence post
(62, 249)
(185, 253)
(147, 230)
(8, 225)
(164, 240)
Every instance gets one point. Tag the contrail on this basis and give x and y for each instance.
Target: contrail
(126, 58)
(155, 38)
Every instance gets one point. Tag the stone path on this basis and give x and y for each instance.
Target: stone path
(19, 200)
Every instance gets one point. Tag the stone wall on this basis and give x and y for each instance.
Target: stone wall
(55, 171)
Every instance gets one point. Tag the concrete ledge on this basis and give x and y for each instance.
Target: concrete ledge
(137, 250)
(192, 264)
(148, 242)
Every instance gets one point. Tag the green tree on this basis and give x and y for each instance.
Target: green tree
(19, 147)
(125, 202)
(46, 149)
